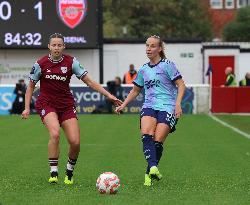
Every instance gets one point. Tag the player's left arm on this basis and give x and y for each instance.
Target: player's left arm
(176, 77)
(81, 73)
(97, 87)
(181, 90)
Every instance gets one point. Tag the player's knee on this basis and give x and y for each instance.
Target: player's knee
(147, 132)
(55, 135)
(75, 143)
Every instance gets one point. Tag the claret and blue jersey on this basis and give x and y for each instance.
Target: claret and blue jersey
(54, 76)
(159, 83)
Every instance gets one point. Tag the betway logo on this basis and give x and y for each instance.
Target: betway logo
(56, 77)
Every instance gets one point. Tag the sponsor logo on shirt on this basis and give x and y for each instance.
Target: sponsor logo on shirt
(56, 77)
(152, 83)
(48, 71)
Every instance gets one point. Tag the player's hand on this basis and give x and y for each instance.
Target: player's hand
(115, 100)
(178, 111)
(119, 109)
(25, 114)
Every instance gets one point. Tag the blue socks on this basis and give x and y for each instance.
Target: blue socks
(149, 150)
(158, 150)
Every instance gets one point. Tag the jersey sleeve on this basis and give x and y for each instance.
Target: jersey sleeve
(173, 72)
(139, 81)
(78, 70)
(35, 73)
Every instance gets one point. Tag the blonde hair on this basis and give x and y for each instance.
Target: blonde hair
(161, 44)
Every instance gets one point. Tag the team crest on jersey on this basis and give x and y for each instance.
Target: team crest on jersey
(64, 69)
(43, 112)
(72, 12)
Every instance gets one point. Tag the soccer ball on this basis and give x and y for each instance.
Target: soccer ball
(108, 183)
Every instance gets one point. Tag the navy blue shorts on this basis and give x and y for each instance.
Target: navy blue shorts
(161, 117)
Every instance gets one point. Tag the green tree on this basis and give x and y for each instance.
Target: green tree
(239, 29)
(169, 19)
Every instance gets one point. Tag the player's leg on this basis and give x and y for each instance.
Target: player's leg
(166, 124)
(161, 132)
(72, 132)
(52, 124)
(148, 125)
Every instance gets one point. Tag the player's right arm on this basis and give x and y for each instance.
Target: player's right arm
(131, 96)
(28, 96)
(34, 77)
(138, 85)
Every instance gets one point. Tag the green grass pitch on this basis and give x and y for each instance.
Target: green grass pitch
(203, 163)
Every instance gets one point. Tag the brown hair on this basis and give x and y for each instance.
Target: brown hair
(161, 44)
(119, 79)
(56, 35)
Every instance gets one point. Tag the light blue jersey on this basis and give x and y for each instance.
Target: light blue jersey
(158, 82)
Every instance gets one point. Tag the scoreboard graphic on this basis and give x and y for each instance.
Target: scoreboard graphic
(29, 23)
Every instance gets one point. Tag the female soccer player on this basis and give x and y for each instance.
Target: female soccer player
(55, 103)
(164, 90)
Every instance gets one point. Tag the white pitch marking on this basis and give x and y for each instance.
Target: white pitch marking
(230, 126)
(22, 10)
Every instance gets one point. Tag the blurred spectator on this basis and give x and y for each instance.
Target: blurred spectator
(130, 75)
(115, 88)
(118, 88)
(18, 104)
(245, 81)
(230, 80)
